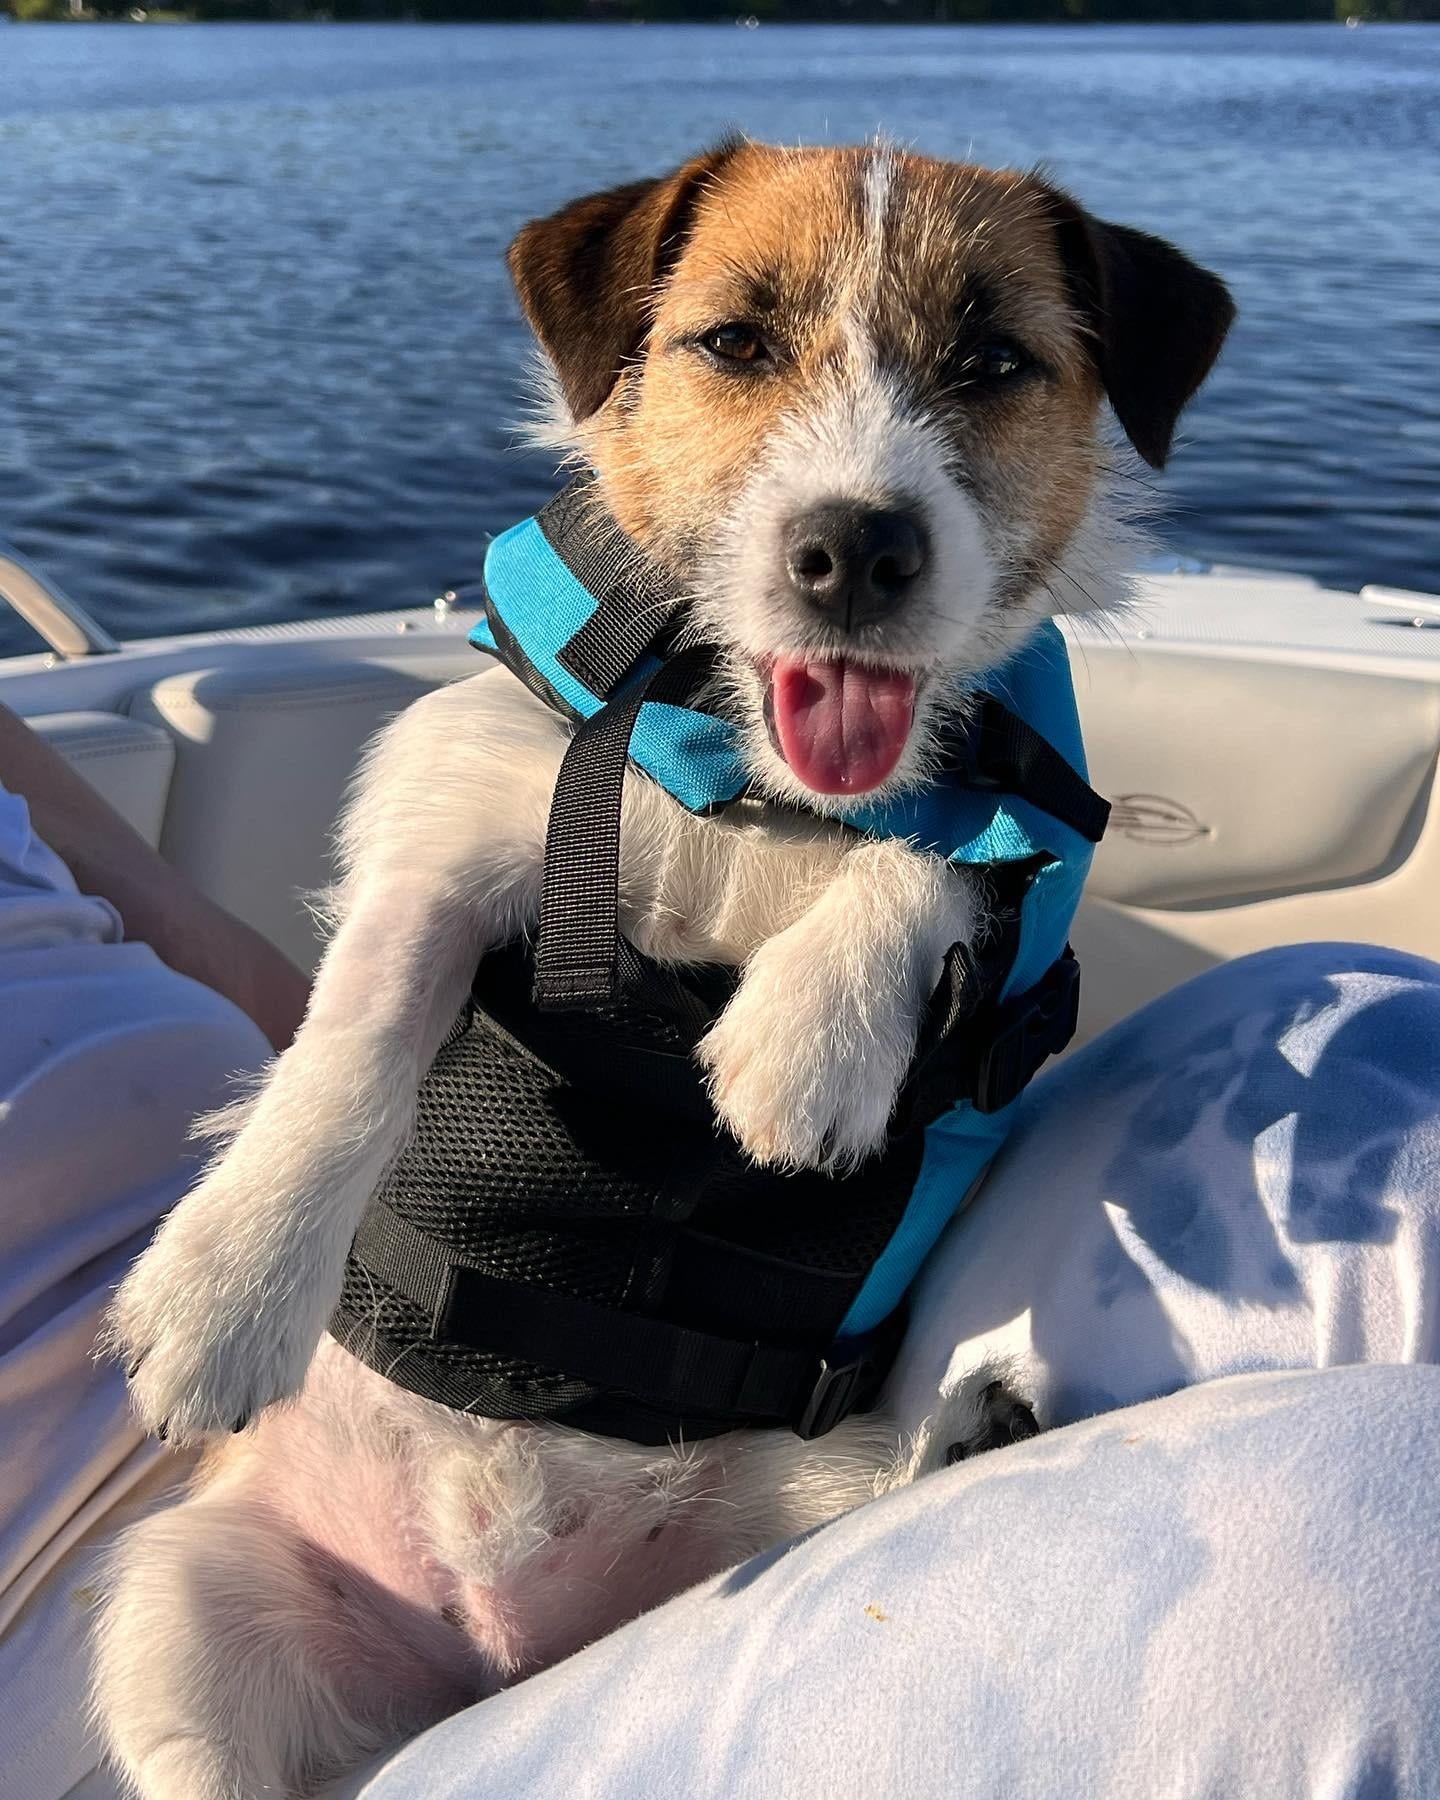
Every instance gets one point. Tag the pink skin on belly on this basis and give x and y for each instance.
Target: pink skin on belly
(414, 1584)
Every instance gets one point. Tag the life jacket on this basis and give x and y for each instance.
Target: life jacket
(571, 1234)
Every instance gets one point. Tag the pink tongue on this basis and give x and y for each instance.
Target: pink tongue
(842, 728)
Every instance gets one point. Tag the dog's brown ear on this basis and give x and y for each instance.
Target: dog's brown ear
(587, 275)
(1158, 320)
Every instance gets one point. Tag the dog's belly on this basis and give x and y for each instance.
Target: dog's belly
(458, 1554)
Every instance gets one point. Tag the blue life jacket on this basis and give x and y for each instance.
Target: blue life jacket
(743, 1296)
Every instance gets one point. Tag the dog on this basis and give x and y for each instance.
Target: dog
(851, 400)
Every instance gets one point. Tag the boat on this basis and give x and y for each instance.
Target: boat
(1268, 744)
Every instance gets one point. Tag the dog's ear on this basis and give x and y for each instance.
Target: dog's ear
(587, 275)
(1158, 320)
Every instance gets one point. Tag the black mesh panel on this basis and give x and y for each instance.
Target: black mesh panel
(578, 1154)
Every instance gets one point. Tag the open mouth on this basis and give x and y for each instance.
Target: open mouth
(840, 726)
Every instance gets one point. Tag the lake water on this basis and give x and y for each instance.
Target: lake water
(259, 359)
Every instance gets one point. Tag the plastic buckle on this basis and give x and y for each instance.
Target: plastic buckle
(832, 1398)
(1043, 1022)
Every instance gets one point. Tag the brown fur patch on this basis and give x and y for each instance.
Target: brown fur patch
(790, 227)
(840, 257)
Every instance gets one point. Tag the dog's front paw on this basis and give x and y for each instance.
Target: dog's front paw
(806, 1061)
(219, 1318)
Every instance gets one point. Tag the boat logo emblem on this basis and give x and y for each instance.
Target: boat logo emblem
(1152, 819)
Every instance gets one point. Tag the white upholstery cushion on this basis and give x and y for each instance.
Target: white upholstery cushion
(1232, 780)
(263, 756)
(127, 761)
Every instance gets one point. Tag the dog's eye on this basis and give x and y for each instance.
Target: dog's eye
(736, 343)
(998, 360)
(986, 363)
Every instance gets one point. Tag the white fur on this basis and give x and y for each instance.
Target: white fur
(219, 1676)
(848, 981)
(879, 190)
(860, 440)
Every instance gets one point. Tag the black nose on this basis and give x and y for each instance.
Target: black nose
(853, 563)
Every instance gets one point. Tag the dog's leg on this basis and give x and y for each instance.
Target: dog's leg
(806, 1061)
(236, 1661)
(222, 1315)
(195, 1686)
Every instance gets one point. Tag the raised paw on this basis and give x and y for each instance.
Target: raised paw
(220, 1317)
(806, 1061)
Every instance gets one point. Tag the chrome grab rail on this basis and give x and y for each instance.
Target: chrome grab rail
(65, 626)
(1423, 609)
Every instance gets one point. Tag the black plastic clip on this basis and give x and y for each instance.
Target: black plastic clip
(833, 1398)
(1033, 1027)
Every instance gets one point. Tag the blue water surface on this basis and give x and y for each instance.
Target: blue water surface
(259, 358)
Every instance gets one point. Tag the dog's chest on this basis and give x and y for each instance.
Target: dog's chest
(714, 889)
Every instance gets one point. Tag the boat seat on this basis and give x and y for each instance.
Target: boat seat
(262, 760)
(1271, 783)
(128, 761)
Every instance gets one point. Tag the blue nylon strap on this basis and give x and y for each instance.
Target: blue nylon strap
(542, 606)
(694, 755)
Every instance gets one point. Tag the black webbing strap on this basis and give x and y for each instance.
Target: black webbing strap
(808, 1299)
(405, 1258)
(1026, 1032)
(611, 641)
(635, 602)
(582, 960)
(998, 749)
(671, 1368)
(580, 957)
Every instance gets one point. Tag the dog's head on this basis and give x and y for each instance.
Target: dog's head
(851, 400)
